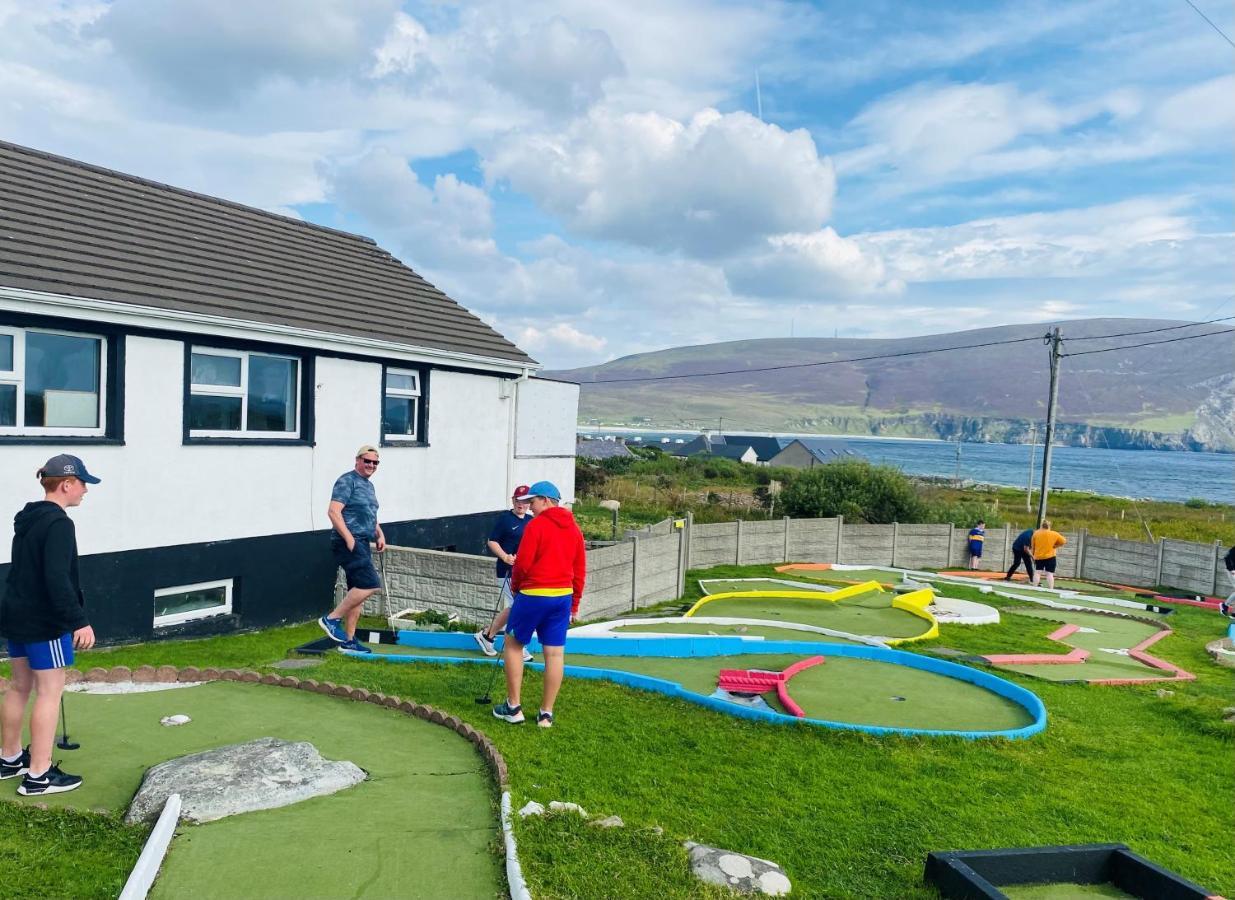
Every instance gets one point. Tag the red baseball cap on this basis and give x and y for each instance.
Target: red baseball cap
(521, 492)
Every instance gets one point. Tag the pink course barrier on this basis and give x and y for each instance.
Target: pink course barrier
(752, 681)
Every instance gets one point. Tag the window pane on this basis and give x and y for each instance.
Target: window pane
(210, 369)
(8, 404)
(399, 381)
(190, 601)
(399, 416)
(272, 394)
(6, 353)
(214, 413)
(62, 380)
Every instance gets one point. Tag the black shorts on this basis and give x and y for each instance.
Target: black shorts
(357, 564)
(1045, 565)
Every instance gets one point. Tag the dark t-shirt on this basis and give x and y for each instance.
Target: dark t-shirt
(1023, 540)
(360, 506)
(507, 533)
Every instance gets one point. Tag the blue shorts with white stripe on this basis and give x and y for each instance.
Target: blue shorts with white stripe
(54, 654)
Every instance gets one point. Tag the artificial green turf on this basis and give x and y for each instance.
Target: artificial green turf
(869, 614)
(726, 585)
(1061, 891)
(1093, 602)
(847, 815)
(845, 576)
(427, 788)
(769, 632)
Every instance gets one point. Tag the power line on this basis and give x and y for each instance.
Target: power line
(1152, 330)
(1188, 337)
(826, 362)
(1211, 24)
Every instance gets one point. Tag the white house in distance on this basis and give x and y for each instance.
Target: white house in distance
(217, 366)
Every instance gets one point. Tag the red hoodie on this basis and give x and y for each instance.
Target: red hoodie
(551, 555)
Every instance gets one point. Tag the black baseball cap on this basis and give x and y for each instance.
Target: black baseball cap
(66, 464)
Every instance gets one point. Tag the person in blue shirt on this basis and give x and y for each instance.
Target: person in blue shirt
(1021, 554)
(977, 535)
(504, 544)
(353, 515)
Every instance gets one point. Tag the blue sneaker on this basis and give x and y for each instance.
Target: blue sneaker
(356, 646)
(508, 713)
(334, 629)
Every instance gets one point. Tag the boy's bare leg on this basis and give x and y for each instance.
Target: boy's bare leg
(554, 664)
(21, 682)
(512, 656)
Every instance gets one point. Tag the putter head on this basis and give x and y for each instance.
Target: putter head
(485, 700)
(65, 744)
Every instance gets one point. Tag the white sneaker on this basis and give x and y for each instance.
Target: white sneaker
(486, 645)
(527, 655)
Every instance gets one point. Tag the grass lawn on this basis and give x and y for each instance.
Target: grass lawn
(847, 815)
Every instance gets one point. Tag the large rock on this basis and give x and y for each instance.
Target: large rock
(737, 871)
(261, 774)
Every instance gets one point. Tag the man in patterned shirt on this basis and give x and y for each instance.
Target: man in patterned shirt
(353, 513)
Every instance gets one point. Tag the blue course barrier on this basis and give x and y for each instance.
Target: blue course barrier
(723, 645)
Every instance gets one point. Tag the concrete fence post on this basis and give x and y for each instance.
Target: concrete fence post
(951, 545)
(785, 553)
(1007, 546)
(1217, 578)
(690, 538)
(1081, 538)
(681, 533)
(1158, 569)
(896, 528)
(634, 574)
(840, 526)
(737, 549)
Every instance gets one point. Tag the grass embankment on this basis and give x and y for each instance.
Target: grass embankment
(845, 814)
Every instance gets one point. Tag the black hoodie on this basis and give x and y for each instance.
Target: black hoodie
(44, 599)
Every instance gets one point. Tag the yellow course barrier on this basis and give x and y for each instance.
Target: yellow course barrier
(852, 591)
(916, 602)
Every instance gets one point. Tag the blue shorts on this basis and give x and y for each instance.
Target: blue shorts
(549, 617)
(357, 564)
(42, 655)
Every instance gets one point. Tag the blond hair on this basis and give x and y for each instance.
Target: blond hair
(1046, 523)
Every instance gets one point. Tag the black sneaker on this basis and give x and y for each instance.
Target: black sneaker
(12, 769)
(53, 781)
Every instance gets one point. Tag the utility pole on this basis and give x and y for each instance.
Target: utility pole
(1033, 451)
(1055, 340)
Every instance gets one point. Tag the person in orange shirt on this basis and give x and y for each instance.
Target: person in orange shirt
(1044, 545)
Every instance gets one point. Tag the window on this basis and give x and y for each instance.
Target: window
(401, 406)
(239, 393)
(174, 605)
(52, 382)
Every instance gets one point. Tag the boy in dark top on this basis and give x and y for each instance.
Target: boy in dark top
(977, 535)
(1227, 606)
(44, 619)
(1021, 554)
(504, 544)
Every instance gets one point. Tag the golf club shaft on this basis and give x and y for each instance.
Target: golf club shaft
(496, 609)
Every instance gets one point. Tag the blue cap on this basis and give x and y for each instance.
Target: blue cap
(546, 489)
(67, 464)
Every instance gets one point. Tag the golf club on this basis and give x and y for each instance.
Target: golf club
(484, 699)
(64, 743)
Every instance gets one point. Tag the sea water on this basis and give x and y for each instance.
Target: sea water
(1148, 474)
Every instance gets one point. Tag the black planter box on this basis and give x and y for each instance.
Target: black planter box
(977, 874)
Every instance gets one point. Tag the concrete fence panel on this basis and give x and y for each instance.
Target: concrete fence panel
(918, 546)
(713, 545)
(763, 543)
(1188, 566)
(812, 540)
(1119, 561)
(609, 581)
(658, 570)
(454, 583)
(869, 544)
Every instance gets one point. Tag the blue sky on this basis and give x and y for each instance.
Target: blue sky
(594, 180)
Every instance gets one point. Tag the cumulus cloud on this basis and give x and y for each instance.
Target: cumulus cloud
(563, 335)
(208, 51)
(706, 187)
(812, 266)
(555, 66)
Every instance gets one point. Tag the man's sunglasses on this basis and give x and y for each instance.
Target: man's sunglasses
(371, 462)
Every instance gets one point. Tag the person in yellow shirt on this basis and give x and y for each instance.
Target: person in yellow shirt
(1043, 545)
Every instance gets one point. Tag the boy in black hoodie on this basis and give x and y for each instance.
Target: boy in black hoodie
(42, 616)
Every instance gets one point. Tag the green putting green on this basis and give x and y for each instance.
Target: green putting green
(768, 632)
(846, 576)
(857, 691)
(729, 585)
(1088, 602)
(1108, 634)
(871, 613)
(421, 825)
(1061, 891)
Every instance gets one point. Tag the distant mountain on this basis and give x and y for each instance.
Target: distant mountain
(1173, 396)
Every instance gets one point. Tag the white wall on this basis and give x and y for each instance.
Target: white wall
(545, 417)
(158, 492)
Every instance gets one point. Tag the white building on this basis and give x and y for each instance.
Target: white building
(217, 366)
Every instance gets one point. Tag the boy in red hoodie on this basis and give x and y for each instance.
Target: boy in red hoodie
(547, 581)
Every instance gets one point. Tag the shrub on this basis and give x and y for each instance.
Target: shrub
(1196, 503)
(854, 489)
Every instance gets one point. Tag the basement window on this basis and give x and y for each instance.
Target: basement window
(184, 603)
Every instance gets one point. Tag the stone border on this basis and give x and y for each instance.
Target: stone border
(168, 674)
